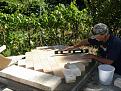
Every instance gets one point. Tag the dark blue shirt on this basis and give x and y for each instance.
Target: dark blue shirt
(110, 50)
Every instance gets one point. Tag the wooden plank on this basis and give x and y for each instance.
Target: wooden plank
(32, 78)
(4, 62)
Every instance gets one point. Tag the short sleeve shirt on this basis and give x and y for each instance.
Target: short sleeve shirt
(110, 50)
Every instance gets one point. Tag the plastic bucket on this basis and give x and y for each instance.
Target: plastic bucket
(106, 73)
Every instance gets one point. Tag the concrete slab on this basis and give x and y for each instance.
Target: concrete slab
(30, 77)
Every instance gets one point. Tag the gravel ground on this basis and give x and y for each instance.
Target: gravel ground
(93, 84)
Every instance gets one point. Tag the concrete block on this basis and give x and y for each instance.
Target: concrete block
(29, 60)
(32, 78)
(80, 65)
(38, 65)
(56, 67)
(75, 69)
(69, 76)
(22, 62)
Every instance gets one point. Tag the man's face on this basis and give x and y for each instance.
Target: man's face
(100, 37)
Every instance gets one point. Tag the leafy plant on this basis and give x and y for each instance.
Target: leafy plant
(106, 11)
(25, 29)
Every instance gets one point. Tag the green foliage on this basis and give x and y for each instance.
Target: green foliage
(56, 2)
(106, 11)
(16, 32)
(5, 7)
(26, 29)
(66, 23)
(26, 7)
(26, 24)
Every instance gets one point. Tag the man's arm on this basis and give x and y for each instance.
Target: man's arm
(97, 58)
(103, 60)
(82, 43)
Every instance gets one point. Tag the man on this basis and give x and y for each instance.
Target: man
(109, 47)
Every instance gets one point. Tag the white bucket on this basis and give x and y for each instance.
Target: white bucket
(106, 73)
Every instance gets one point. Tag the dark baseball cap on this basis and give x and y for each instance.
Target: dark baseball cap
(99, 29)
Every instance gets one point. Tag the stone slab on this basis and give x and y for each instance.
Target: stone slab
(32, 78)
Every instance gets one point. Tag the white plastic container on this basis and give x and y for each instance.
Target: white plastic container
(106, 73)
